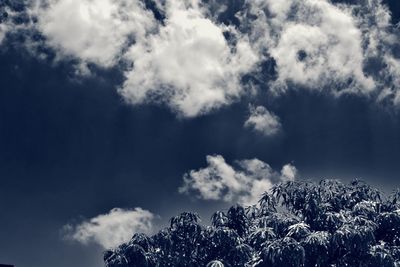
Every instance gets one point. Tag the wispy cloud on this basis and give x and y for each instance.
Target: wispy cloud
(111, 229)
(244, 182)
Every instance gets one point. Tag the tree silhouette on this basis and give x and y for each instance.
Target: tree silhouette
(296, 223)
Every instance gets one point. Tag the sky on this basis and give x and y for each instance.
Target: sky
(117, 115)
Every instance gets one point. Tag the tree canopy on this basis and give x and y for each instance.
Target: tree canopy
(296, 223)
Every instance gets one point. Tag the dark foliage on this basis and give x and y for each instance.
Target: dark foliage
(295, 224)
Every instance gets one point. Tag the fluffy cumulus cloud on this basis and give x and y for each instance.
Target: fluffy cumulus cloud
(322, 45)
(95, 31)
(263, 121)
(111, 229)
(244, 182)
(189, 64)
(315, 44)
(198, 56)
(288, 172)
(186, 61)
(382, 48)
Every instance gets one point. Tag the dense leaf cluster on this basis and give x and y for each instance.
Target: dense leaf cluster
(296, 223)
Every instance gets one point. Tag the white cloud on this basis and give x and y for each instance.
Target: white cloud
(381, 39)
(3, 31)
(392, 72)
(111, 229)
(315, 44)
(188, 64)
(93, 31)
(321, 45)
(288, 172)
(4, 27)
(263, 121)
(7, 26)
(185, 62)
(244, 183)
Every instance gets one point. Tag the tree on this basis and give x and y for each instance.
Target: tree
(283, 252)
(240, 255)
(222, 241)
(237, 220)
(389, 227)
(296, 223)
(316, 247)
(298, 231)
(215, 264)
(219, 219)
(267, 203)
(259, 238)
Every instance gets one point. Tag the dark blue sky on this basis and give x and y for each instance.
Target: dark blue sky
(72, 148)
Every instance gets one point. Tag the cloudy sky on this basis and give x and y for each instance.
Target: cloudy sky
(117, 115)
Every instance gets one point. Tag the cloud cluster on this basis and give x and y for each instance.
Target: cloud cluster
(244, 183)
(315, 43)
(194, 60)
(95, 31)
(185, 61)
(321, 45)
(382, 48)
(263, 121)
(189, 64)
(111, 229)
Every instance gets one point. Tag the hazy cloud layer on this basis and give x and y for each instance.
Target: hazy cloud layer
(194, 63)
(111, 229)
(243, 182)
